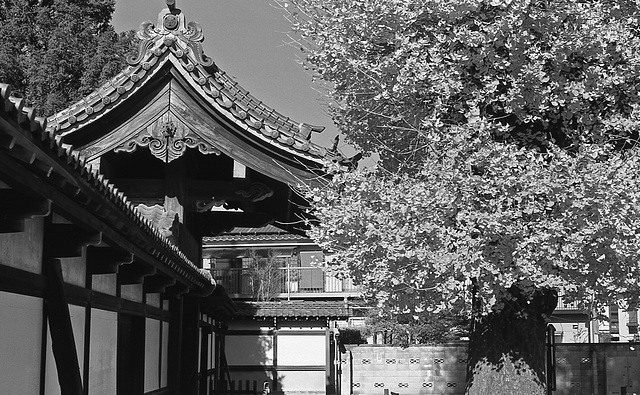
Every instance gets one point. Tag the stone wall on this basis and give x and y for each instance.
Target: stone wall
(581, 369)
(370, 369)
(597, 368)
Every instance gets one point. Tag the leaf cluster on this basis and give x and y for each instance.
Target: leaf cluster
(507, 134)
(409, 74)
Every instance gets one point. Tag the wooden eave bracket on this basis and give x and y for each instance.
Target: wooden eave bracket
(135, 272)
(68, 240)
(16, 208)
(157, 283)
(106, 260)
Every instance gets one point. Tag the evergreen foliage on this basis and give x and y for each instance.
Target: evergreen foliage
(55, 52)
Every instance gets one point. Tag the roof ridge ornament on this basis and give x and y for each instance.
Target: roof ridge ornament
(172, 26)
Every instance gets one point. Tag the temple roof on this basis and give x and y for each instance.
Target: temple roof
(64, 175)
(176, 44)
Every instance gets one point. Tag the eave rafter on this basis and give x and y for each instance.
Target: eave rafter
(58, 173)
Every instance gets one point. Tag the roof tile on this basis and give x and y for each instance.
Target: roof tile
(294, 309)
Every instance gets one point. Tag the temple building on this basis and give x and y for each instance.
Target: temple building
(103, 287)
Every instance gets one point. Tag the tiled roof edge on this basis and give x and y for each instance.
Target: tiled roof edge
(51, 145)
(182, 41)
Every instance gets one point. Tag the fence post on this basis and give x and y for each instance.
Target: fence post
(551, 359)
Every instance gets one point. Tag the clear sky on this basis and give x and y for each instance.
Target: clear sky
(247, 39)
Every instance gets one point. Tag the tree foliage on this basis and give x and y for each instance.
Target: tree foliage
(56, 51)
(266, 275)
(404, 330)
(408, 75)
(507, 133)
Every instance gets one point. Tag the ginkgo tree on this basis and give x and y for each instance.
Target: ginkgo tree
(509, 169)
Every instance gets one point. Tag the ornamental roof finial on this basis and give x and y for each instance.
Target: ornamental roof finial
(171, 4)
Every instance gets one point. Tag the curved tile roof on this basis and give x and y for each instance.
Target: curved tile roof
(179, 42)
(65, 162)
(294, 309)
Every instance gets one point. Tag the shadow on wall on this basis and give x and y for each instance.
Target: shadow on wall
(250, 360)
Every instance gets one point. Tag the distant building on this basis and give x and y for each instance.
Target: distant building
(290, 309)
(574, 325)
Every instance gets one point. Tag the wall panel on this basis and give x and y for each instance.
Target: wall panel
(165, 352)
(152, 355)
(20, 340)
(78, 317)
(307, 382)
(23, 250)
(249, 349)
(301, 350)
(103, 352)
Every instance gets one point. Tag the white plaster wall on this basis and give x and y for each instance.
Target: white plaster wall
(105, 283)
(23, 250)
(153, 300)
(301, 350)
(212, 351)
(303, 381)
(103, 352)
(74, 270)
(165, 354)
(152, 355)
(20, 343)
(249, 349)
(78, 316)
(131, 292)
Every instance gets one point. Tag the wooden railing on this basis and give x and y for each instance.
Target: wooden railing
(288, 280)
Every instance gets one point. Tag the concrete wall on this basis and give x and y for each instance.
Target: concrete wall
(581, 369)
(370, 369)
(598, 368)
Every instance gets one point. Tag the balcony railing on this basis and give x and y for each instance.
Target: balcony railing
(285, 281)
(562, 305)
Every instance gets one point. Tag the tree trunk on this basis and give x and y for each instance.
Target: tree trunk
(507, 348)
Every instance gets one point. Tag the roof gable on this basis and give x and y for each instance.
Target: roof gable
(170, 60)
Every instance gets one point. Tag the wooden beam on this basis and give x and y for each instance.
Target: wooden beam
(157, 283)
(135, 272)
(106, 260)
(66, 240)
(62, 339)
(16, 207)
(213, 223)
(176, 290)
(239, 191)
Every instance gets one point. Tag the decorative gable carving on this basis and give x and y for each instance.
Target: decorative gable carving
(167, 139)
(172, 26)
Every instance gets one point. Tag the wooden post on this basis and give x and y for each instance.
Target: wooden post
(190, 340)
(62, 340)
(175, 346)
